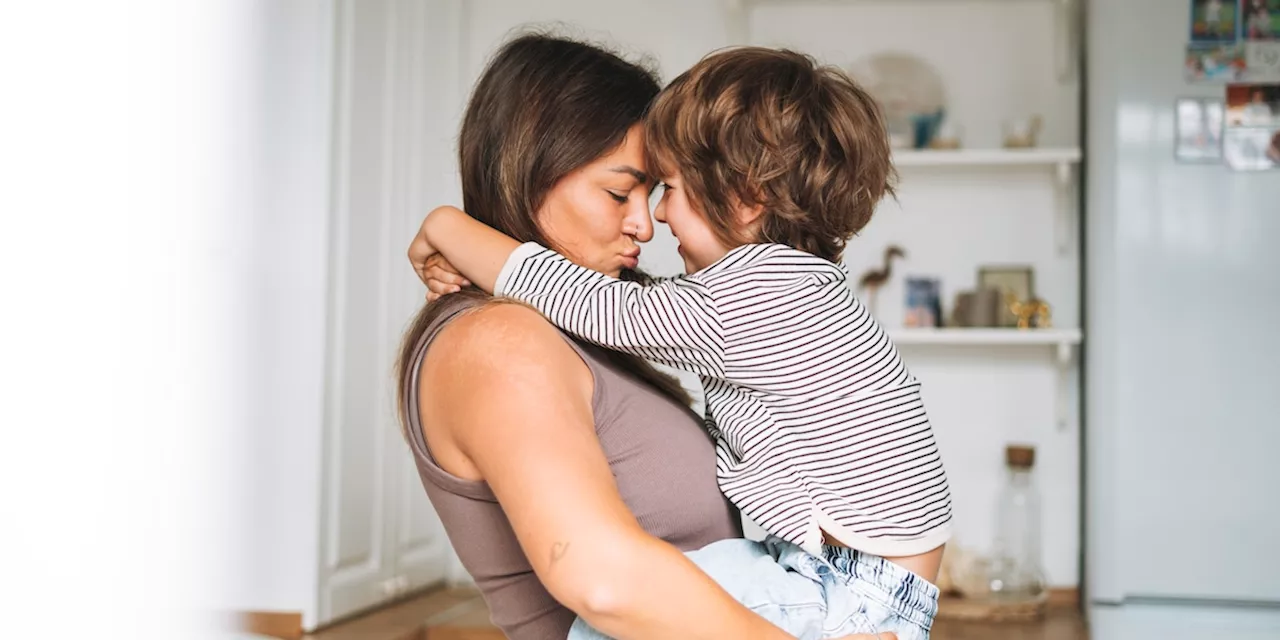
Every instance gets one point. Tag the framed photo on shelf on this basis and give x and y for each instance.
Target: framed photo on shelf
(924, 303)
(1016, 280)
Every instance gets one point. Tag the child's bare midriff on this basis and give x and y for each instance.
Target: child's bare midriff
(926, 565)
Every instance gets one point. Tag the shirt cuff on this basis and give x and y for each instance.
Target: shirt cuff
(513, 264)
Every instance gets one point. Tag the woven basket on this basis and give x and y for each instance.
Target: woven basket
(973, 610)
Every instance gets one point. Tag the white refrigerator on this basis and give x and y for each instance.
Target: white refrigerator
(1182, 364)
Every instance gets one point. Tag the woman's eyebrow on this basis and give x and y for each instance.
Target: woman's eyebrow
(639, 175)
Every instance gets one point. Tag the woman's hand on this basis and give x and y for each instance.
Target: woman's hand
(440, 277)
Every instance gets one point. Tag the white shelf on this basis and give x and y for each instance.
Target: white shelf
(987, 157)
(1061, 340)
(987, 337)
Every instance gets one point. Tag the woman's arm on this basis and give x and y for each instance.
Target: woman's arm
(504, 387)
(674, 322)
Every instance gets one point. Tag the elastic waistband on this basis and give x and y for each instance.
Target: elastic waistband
(915, 598)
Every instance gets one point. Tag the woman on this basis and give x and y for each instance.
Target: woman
(569, 479)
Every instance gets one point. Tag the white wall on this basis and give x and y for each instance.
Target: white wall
(170, 170)
(281, 260)
(996, 58)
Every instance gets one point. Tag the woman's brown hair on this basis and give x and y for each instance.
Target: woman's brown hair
(543, 107)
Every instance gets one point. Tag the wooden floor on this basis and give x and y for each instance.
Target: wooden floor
(461, 615)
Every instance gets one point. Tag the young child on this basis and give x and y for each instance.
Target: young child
(770, 164)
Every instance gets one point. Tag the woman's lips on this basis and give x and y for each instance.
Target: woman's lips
(631, 258)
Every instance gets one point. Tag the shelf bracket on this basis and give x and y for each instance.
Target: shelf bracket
(1064, 174)
(1064, 217)
(1064, 354)
(1064, 369)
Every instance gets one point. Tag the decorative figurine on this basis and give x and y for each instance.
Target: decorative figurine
(1030, 313)
(872, 280)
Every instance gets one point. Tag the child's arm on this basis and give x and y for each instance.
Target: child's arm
(673, 322)
(475, 249)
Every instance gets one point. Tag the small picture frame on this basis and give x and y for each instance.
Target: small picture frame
(924, 303)
(1017, 280)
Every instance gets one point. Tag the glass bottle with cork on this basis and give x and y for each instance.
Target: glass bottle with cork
(1015, 571)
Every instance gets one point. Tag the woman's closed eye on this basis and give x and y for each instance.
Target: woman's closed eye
(620, 197)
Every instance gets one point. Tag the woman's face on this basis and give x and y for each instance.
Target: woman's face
(597, 215)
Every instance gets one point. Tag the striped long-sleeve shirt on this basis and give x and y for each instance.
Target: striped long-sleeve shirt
(818, 424)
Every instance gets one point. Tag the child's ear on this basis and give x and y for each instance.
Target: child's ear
(749, 216)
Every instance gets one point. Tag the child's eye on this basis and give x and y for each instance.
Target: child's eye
(622, 199)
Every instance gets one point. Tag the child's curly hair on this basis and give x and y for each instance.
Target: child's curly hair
(772, 128)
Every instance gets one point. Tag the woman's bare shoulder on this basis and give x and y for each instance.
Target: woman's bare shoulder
(491, 376)
(486, 350)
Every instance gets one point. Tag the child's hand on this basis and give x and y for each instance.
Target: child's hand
(441, 278)
(420, 251)
(434, 271)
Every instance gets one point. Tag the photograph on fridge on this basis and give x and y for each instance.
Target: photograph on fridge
(1251, 149)
(1199, 122)
(1260, 19)
(1253, 105)
(1251, 141)
(1214, 20)
(1215, 62)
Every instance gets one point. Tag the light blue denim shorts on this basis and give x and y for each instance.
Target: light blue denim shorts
(810, 597)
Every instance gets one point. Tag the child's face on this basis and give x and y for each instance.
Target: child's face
(699, 246)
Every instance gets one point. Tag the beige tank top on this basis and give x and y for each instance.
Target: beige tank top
(662, 460)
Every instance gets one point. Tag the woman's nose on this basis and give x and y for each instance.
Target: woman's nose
(638, 221)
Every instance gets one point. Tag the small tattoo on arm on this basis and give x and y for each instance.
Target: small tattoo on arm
(558, 550)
